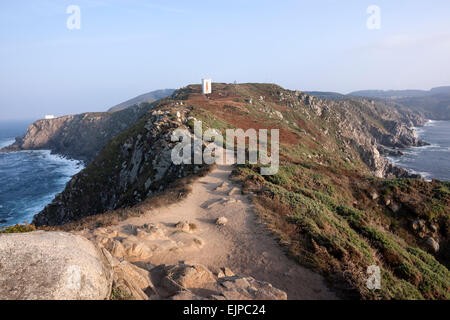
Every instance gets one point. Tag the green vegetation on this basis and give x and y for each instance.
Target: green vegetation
(326, 234)
(118, 294)
(18, 228)
(208, 120)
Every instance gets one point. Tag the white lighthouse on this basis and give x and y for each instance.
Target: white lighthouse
(207, 86)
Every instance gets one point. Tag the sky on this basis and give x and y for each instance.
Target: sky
(125, 48)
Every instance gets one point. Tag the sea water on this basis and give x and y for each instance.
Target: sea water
(433, 161)
(29, 180)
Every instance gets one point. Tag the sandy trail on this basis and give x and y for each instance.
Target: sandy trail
(244, 245)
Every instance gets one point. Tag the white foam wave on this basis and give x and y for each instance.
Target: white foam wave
(37, 207)
(58, 167)
(67, 167)
(423, 174)
(431, 147)
(393, 160)
(60, 159)
(431, 123)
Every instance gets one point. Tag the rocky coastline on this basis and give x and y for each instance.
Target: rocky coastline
(335, 178)
(140, 168)
(78, 137)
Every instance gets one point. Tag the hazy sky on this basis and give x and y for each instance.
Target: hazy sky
(128, 47)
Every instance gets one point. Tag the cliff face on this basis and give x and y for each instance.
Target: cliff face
(369, 127)
(136, 163)
(133, 166)
(434, 104)
(80, 136)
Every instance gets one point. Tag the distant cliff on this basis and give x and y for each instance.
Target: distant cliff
(80, 136)
(369, 127)
(144, 98)
(434, 104)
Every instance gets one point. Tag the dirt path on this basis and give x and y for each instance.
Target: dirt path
(244, 245)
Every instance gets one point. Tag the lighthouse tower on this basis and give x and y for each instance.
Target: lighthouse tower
(207, 86)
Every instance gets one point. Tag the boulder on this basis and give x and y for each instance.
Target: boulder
(134, 281)
(183, 226)
(196, 282)
(221, 221)
(394, 207)
(418, 225)
(117, 249)
(52, 266)
(422, 224)
(432, 245)
(247, 288)
(222, 187)
(279, 114)
(233, 191)
(186, 296)
(374, 195)
(433, 228)
(182, 277)
(186, 226)
(190, 276)
(220, 274)
(227, 272)
(136, 250)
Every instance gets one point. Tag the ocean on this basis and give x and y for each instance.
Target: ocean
(433, 161)
(29, 180)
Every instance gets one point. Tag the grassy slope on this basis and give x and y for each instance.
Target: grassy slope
(320, 207)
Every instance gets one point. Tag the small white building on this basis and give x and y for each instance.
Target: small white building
(207, 86)
(49, 117)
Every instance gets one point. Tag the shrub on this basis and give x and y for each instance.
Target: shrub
(18, 228)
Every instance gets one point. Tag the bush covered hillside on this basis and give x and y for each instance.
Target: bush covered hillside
(337, 205)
